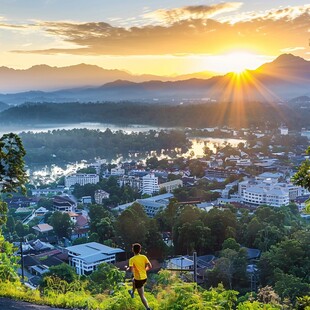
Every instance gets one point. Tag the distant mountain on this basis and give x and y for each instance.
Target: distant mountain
(301, 99)
(46, 78)
(286, 77)
(3, 106)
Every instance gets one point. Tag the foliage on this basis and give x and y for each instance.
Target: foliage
(8, 265)
(132, 225)
(12, 170)
(302, 176)
(62, 272)
(73, 145)
(106, 277)
(61, 223)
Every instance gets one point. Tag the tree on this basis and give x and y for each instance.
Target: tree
(302, 176)
(105, 277)
(132, 225)
(61, 223)
(63, 272)
(197, 168)
(12, 168)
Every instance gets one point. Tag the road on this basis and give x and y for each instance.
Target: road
(9, 304)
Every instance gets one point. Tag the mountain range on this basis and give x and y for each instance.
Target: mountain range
(286, 77)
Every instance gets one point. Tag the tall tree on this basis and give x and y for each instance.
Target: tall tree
(302, 176)
(12, 168)
(61, 223)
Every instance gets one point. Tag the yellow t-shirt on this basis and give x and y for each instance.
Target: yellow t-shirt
(138, 263)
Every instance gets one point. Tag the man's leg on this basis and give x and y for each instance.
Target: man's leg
(132, 292)
(133, 286)
(143, 299)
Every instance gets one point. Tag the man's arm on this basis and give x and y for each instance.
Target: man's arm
(148, 266)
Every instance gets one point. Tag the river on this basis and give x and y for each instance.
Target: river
(198, 143)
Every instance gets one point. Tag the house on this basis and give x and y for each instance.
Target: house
(99, 195)
(85, 258)
(171, 185)
(81, 227)
(41, 229)
(151, 205)
(40, 212)
(64, 204)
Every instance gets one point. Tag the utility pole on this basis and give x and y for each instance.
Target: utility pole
(195, 266)
(22, 259)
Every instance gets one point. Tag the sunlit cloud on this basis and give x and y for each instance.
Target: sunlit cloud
(192, 12)
(289, 13)
(197, 35)
(292, 49)
(12, 26)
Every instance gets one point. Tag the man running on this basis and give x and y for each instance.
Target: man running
(139, 265)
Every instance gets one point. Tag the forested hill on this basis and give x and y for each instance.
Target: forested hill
(202, 115)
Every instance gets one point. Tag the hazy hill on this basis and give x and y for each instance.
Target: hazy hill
(286, 77)
(46, 78)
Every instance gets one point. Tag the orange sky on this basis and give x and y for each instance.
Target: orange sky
(187, 36)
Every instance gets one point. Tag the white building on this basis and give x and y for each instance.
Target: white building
(81, 178)
(151, 205)
(171, 185)
(265, 189)
(283, 130)
(150, 184)
(85, 258)
(64, 204)
(117, 171)
(100, 194)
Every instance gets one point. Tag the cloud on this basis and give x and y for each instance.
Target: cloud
(270, 31)
(292, 49)
(192, 12)
(12, 26)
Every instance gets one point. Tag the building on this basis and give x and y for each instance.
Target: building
(100, 194)
(265, 189)
(81, 178)
(130, 180)
(283, 130)
(150, 184)
(171, 185)
(48, 191)
(64, 204)
(85, 258)
(151, 205)
(117, 171)
(41, 229)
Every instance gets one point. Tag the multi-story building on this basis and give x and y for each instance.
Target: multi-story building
(171, 185)
(151, 205)
(81, 178)
(117, 171)
(100, 194)
(85, 258)
(150, 184)
(130, 180)
(265, 189)
(64, 204)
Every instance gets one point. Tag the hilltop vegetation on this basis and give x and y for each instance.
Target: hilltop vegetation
(63, 146)
(207, 114)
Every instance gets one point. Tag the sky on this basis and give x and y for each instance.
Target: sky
(152, 37)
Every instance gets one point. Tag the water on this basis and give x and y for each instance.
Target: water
(92, 126)
(198, 144)
(196, 151)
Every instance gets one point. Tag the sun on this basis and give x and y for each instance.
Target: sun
(240, 61)
(237, 62)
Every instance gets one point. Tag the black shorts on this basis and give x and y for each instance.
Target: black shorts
(139, 283)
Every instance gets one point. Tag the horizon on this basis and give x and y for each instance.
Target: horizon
(162, 39)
